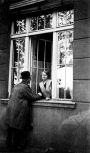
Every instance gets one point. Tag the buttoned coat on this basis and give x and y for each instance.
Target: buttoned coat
(18, 106)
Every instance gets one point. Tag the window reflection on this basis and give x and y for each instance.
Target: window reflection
(61, 47)
(19, 53)
(48, 23)
(20, 26)
(41, 22)
(65, 18)
(33, 23)
(65, 64)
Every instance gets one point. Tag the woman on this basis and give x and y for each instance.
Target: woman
(45, 86)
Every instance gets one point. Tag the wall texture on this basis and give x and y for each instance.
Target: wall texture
(4, 49)
(81, 67)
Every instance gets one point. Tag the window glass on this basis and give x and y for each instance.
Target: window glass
(20, 26)
(48, 23)
(65, 64)
(41, 50)
(41, 22)
(33, 23)
(65, 18)
(48, 51)
(19, 53)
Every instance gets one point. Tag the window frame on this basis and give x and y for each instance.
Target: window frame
(27, 35)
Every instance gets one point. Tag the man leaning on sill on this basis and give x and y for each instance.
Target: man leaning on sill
(18, 113)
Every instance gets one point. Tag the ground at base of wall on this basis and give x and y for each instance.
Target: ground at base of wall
(31, 150)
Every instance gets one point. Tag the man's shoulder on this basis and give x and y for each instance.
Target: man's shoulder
(21, 86)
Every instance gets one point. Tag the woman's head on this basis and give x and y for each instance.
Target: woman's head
(45, 75)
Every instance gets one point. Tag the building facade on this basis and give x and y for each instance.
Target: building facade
(51, 35)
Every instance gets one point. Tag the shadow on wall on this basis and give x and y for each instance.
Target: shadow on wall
(75, 134)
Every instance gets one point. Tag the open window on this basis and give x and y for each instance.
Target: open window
(44, 42)
(41, 58)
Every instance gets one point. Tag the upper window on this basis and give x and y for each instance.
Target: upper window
(41, 22)
(65, 18)
(44, 42)
(20, 26)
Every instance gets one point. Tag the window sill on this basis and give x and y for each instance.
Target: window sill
(55, 103)
(4, 101)
(49, 103)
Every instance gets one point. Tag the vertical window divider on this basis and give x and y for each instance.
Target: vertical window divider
(26, 58)
(12, 28)
(10, 68)
(54, 20)
(44, 21)
(44, 54)
(37, 65)
(65, 67)
(37, 22)
(30, 58)
(54, 66)
(27, 24)
(18, 67)
(54, 58)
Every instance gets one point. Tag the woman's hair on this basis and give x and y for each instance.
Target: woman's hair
(47, 73)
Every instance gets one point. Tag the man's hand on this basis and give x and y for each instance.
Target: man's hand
(39, 93)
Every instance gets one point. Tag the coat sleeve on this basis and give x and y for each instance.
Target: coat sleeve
(30, 96)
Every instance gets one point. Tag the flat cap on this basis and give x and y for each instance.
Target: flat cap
(25, 75)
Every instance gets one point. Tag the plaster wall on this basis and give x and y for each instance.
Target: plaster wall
(64, 130)
(4, 49)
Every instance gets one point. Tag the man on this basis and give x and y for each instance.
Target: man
(18, 112)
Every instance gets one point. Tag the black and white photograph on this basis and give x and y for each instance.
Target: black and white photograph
(44, 76)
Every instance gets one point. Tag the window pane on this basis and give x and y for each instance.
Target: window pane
(20, 26)
(41, 50)
(33, 23)
(70, 17)
(41, 20)
(69, 47)
(48, 23)
(34, 49)
(60, 81)
(48, 52)
(69, 78)
(65, 64)
(19, 53)
(61, 47)
(65, 18)
(64, 82)
(62, 18)
(65, 47)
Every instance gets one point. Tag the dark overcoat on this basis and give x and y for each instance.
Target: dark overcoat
(18, 106)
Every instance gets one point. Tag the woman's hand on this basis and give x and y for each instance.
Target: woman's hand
(47, 98)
